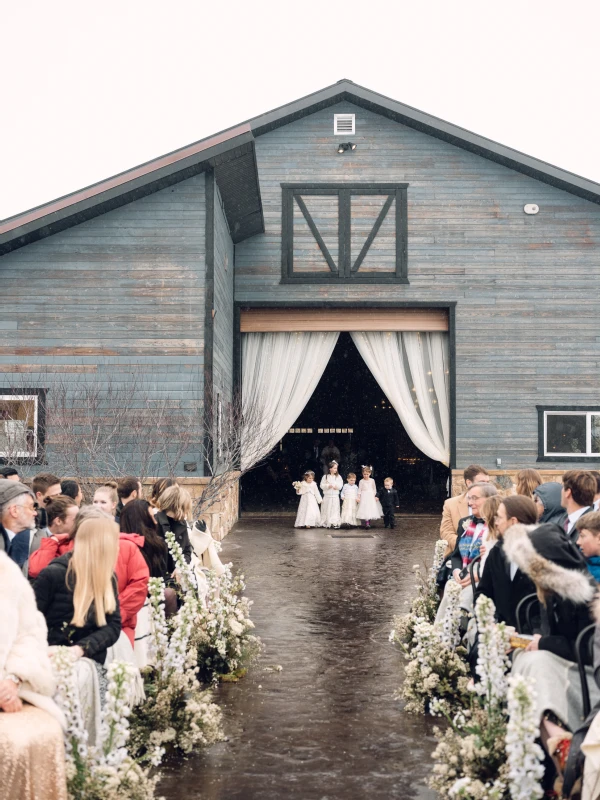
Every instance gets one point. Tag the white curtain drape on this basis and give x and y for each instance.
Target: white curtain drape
(280, 371)
(412, 371)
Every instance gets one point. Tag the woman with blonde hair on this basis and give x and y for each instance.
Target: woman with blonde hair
(131, 568)
(528, 481)
(106, 497)
(491, 535)
(174, 510)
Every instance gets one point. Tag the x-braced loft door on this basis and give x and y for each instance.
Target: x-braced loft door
(344, 233)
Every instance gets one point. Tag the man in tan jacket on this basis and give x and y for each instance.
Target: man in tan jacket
(455, 508)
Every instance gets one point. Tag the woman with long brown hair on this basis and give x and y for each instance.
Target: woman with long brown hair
(528, 481)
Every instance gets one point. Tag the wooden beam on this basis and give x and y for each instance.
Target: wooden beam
(271, 320)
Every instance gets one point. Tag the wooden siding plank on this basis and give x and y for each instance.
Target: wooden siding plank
(335, 319)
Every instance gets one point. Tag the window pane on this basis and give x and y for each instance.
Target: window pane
(565, 433)
(595, 433)
(17, 427)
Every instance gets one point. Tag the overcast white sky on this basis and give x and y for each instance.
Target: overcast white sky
(91, 89)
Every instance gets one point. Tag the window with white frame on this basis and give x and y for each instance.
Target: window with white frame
(18, 426)
(570, 433)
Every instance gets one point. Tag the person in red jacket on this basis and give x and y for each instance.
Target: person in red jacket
(131, 568)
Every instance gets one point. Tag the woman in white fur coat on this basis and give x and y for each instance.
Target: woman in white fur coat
(32, 753)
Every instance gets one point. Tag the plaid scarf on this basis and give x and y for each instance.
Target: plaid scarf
(468, 548)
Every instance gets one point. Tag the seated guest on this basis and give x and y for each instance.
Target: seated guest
(128, 489)
(501, 580)
(558, 569)
(72, 489)
(61, 512)
(589, 541)
(77, 593)
(174, 510)
(32, 764)
(106, 498)
(132, 572)
(490, 536)
(17, 513)
(470, 537)
(547, 498)
(470, 532)
(10, 473)
(527, 482)
(577, 497)
(457, 508)
(137, 518)
(159, 487)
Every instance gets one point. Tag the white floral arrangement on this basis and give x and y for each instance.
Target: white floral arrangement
(223, 636)
(488, 752)
(525, 756)
(425, 605)
(436, 666)
(106, 771)
(177, 713)
(297, 485)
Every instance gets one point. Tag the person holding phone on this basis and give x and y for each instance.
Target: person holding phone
(470, 533)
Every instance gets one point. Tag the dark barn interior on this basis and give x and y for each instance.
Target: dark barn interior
(349, 408)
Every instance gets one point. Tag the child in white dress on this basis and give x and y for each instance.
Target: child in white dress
(369, 507)
(349, 497)
(309, 515)
(331, 486)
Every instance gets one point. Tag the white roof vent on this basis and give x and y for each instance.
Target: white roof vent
(343, 124)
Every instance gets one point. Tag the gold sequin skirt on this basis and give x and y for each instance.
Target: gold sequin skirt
(32, 756)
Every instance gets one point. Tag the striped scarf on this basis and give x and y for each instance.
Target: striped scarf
(469, 549)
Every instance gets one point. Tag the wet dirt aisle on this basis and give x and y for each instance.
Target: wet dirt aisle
(327, 726)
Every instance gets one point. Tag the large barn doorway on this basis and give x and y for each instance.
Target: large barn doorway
(349, 409)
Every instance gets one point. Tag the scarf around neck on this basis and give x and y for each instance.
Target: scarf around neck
(469, 549)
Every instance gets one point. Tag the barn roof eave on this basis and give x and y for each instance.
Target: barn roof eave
(231, 154)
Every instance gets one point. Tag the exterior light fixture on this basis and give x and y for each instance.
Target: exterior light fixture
(344, 147)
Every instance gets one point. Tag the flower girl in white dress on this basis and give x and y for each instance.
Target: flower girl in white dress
(309, 515)
(331, 486)
(369, 507)
(350, 501)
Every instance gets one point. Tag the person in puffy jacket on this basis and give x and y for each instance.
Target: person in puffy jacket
(131, 568)
(77, 592)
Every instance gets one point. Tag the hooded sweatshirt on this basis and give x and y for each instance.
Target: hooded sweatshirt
(549, 494)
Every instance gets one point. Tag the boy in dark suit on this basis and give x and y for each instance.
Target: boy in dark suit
(388, 497)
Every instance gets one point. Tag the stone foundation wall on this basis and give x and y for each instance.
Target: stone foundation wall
(503, 478)
(222, 515)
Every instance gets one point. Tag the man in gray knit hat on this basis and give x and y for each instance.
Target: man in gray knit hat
(17, 511)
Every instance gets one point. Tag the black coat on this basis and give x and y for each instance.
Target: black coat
(561, 623)
(55, 601)
(180, 529)
(388, 498)
(496, 584)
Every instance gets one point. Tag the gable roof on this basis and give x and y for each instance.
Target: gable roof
(231, 154)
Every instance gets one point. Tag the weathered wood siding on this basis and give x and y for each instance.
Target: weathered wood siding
(526, 286)
(223, 304)
(122, 292)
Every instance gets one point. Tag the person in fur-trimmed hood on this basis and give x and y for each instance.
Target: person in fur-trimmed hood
(565, 588)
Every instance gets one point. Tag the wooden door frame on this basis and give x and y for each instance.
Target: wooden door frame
(450, 306)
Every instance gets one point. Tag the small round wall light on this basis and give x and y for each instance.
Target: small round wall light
(531, 208)
(345, 147)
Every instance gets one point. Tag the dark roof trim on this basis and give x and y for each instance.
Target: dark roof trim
(133, 184)
(345, 90)
(231, 153)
